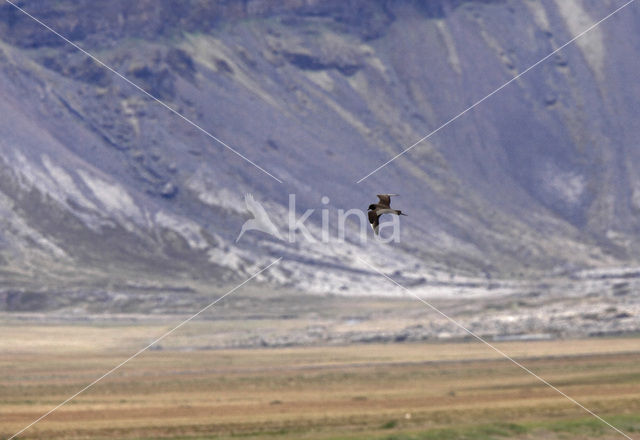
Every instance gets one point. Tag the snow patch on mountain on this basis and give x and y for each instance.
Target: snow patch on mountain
(190, 230)
(113, 197)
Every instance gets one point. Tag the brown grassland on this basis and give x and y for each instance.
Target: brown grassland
(407, 391)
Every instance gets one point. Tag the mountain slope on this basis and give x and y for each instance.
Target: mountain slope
(98, 182)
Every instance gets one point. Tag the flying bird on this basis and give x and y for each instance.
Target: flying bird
(260, 221)
(382, 207)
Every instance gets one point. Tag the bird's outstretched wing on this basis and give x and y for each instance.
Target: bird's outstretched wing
(385, 199)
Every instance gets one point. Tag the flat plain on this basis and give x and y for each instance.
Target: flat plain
(401, 391)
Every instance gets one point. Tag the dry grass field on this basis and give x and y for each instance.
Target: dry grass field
(392, 392)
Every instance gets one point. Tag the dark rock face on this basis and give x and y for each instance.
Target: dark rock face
(108, 21)
(539, 178)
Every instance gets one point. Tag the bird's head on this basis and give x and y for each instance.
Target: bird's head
(372, 207)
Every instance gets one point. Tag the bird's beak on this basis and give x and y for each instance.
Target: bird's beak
(402, 213)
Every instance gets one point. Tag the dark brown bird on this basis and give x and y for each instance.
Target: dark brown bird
(382, 207)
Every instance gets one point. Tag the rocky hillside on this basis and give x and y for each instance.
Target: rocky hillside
(103, 188)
